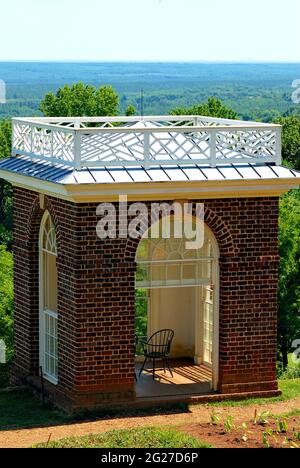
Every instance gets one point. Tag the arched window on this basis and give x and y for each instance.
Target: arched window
(48, 299)
(168, 262)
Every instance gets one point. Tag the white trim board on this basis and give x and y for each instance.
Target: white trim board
(83, 193)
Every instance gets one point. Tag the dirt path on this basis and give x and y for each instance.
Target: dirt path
(198, 414)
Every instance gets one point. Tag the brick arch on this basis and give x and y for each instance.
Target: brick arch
(221, 232)
(35, 218)
(218, 227)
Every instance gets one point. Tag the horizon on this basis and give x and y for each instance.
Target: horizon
(183, 62)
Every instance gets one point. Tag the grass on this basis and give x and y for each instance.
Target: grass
(291, 414)
(133, 438)
(20, 409)
(290, 390)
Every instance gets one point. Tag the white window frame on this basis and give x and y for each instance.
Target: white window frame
(44, 313)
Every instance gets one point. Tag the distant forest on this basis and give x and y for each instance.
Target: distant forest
(255, 91)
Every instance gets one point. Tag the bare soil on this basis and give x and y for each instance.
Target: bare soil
(250, 437)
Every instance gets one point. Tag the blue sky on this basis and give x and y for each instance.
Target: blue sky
(150, 30)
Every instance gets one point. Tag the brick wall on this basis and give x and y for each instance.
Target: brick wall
(97, 295)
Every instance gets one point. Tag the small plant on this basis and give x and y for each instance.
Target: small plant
(265, 438)
(261, 418)
(229, 424)
(282, 426)
(214, 418)
(286, 441)
(296, 435)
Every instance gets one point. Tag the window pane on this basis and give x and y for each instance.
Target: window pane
(174, 272)
(50, 282)
(50, 346)
(158, 274)
(189, 272)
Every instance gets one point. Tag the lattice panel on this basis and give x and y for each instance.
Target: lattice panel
(179, 146)
(109, 147)
(22, 137)
(252, 144)
(130, 147)
(31, 140)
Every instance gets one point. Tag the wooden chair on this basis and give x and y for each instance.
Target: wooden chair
(158, 347)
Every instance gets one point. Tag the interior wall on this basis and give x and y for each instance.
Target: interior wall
(175, 308)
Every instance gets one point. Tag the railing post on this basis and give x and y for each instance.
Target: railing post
(146, 149)
(77, 146)
(31, 138)
(13, 152)
(213, 148)
(278, 150)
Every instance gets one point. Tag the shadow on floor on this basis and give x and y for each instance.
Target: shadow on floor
(188, 379)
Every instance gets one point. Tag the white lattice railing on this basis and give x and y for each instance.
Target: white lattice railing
(145, 141)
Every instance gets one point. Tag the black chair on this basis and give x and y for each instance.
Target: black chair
(158, 347)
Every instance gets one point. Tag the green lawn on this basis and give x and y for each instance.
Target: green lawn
(290, 390)
(20, 409)
(133, 438)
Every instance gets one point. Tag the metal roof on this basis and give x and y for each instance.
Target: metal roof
(60, 174)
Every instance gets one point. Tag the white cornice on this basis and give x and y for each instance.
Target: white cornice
(83, 193)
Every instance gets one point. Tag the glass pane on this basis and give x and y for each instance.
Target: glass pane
(50, 346)
(50, 282)
(190, 272)
(174, 272)
(141, 316)
(158, 274)
(142, 273)
(208, 325)
(49, 236)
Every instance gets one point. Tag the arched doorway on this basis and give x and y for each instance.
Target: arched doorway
(178, 288)
(48, 317)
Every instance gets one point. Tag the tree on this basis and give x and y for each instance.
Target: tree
(5, 138)
(212, 108)
(6, 308)
(289, 274)
(5, 188)
(131, 110)
(290, 140)
(81, 100)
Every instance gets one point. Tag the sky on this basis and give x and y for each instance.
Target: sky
(150, 30)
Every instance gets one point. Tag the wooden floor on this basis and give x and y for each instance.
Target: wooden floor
(188, 379)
